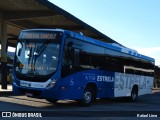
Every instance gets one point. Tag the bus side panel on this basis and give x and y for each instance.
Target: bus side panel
(73, 93)
(124, 83)
(146, 86)
(106, 91)
(74, 85)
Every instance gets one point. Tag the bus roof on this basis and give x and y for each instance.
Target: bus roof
(112, 46)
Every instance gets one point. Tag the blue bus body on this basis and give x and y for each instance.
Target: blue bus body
(112, 70)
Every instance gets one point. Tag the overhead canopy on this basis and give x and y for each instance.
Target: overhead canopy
(26, 14)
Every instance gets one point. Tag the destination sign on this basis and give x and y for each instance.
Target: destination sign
(37, 35)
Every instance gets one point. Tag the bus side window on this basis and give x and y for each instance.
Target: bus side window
(70, 61)
(64, 59)
(66, 62)
(85, 60)
(76, 57)
(73, 57)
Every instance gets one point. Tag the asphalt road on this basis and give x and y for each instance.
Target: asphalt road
(147, 106)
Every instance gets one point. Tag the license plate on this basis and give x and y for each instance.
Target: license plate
(25, 84)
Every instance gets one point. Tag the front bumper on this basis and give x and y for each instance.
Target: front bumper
(51, 93)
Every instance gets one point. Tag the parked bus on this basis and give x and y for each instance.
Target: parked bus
(56, 64)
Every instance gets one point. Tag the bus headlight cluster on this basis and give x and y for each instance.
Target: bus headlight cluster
(52, 83)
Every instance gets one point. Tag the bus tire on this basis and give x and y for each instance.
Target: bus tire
(88, 97)
(134, 94)
(52, 101)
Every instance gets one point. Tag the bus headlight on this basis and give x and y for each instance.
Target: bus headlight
(52, 83)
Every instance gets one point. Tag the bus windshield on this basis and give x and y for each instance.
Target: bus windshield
(36, 59)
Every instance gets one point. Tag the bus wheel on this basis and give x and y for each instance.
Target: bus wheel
(52, 101)
(134, 94)
(88, 97)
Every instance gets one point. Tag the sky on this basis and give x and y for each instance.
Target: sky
(133, 23)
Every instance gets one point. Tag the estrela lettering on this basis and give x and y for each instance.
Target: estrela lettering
(105, 78)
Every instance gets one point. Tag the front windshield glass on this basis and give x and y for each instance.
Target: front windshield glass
(37, 55)
(36, 59)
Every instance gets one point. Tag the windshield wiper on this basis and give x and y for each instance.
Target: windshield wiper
(41, 48)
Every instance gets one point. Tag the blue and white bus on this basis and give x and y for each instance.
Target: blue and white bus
(56, 64)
